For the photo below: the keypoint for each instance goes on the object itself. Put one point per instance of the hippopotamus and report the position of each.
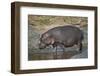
(63, 36)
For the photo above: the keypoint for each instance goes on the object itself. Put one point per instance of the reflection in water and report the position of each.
(49, 55)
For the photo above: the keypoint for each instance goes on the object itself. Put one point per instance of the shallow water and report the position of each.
(34, 53)
(69, 53)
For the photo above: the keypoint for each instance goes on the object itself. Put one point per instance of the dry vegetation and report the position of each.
(42, 22)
